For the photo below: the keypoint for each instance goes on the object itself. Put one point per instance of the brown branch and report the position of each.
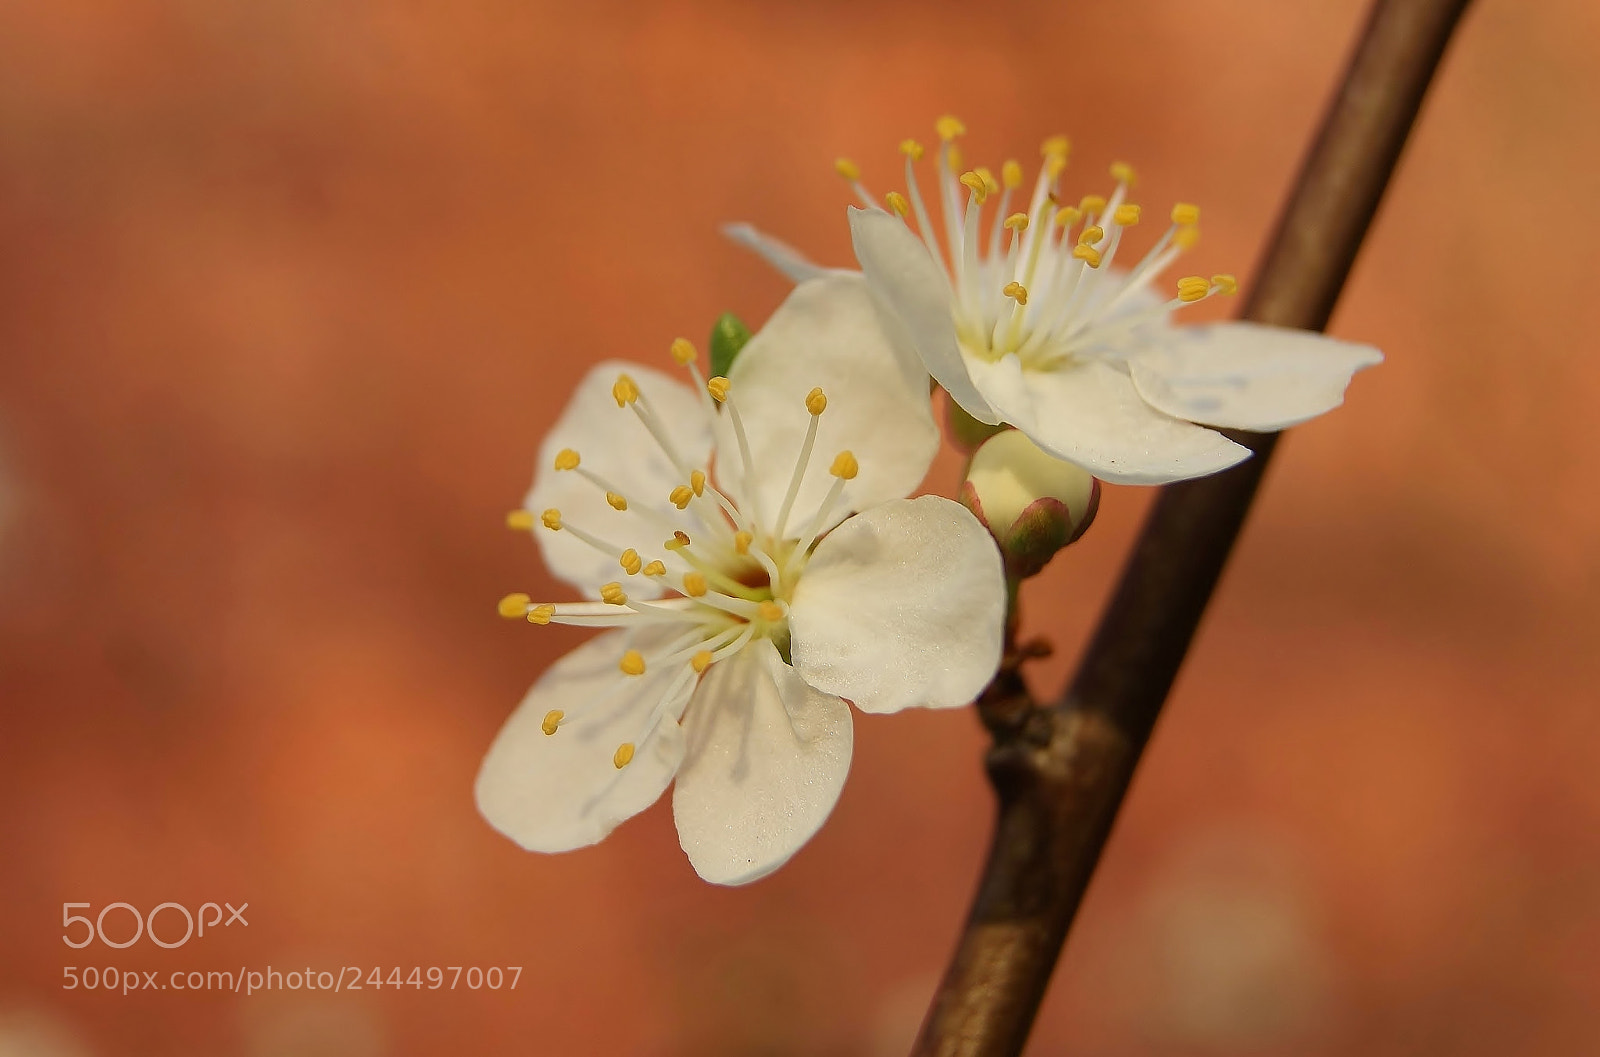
(1061, 772)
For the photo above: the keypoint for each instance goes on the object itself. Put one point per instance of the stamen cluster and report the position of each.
(1042, 284)
(732, 580)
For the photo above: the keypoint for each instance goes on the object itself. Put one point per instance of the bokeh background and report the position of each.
(289, 292)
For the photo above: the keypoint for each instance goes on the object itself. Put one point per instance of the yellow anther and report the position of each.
(552, 720)
(631, 562)
(694, 584)
(718, 388)
(697, 481)
(1185, 214)
(655, 568)
(613, 594)
(541, 614)
(1225, 284)
(513, 606)
(679, 540)
(845, 466)
(681, 496)
(847, 168)
(1193, 288)
(623, 755)
(816, 401)
(1091, 235)
(977, 185)
(520, 520)
(742, 541)
(1126, 215)
(1011, 174)
(911, 149)
(1055, 165)
(1068, 217)
(1055, 147)
(949, 127)
(1017, 222)
(551, 519)
(700, 661)
(616, 501)
(770, 611)
(1087, 254)
(1123, 173)
(897, 203)
(625, 391)
(683, 351)
(1187, 238)
(632, 663)
(1016, 291)
(1091, 203)
(988, 179)
(566, 459)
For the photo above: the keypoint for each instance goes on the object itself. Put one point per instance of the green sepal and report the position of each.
(967, 432)
(1034, 538)
(728, 336)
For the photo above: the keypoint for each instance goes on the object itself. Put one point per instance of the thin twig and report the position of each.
(1060, 772)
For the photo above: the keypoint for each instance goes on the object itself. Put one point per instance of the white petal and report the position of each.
(1090, 414)
(1248, 375)
(782, 256)
(767, 758)
(827, 334)
(612, 442)
(916, 290)
(1113, 286)
(555, 792)
(902, 605)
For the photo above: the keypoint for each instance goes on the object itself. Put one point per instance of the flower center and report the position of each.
(1041, 285)
(732, 565)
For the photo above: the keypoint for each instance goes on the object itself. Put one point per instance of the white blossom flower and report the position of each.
(1034, 326)
(713, 532)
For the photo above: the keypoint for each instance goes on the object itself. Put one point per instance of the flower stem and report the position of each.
(1060, 771)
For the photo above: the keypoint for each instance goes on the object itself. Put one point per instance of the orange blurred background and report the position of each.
(290, 293)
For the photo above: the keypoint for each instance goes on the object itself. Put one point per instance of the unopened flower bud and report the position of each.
(1032, 503)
